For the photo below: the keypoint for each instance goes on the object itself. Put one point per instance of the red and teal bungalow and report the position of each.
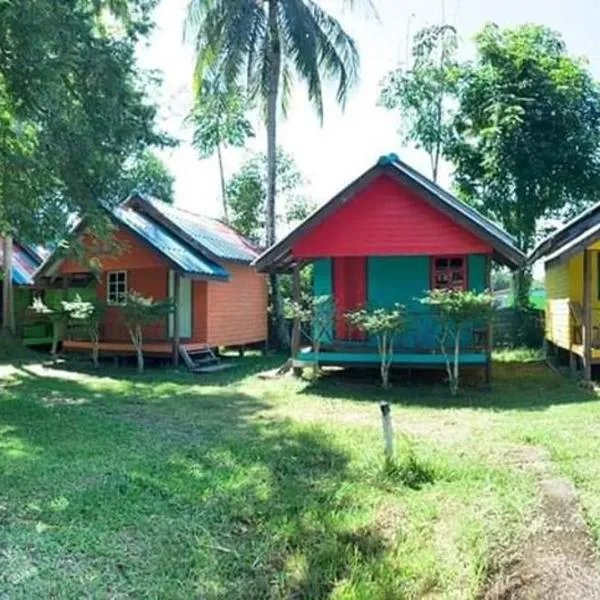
(387, 238)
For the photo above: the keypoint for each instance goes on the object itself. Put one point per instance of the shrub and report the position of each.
(454, 309)
(385, 324)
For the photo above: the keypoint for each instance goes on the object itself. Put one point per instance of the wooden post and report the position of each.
(587, 315)
(490, 328)
(8, 314)
(296, 333)
(176, 319)
(388, 430)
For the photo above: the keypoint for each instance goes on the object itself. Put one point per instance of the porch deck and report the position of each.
(307, 357)
(578, 349)
(154, 348)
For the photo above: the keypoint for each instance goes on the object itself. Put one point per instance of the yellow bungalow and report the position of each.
(572, 267)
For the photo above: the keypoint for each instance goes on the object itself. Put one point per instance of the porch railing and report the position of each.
(421, 336)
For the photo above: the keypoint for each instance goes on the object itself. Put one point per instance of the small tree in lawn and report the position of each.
(57, 316)
(385, 324)
(89, 316)
(454, 309)
(139, 311)
(315, 314)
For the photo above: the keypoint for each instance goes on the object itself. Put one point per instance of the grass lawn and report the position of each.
(170, 485)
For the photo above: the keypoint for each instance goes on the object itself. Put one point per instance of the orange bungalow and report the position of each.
(166, 252)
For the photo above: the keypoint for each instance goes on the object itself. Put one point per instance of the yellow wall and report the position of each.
(558, 322)
(564, 283)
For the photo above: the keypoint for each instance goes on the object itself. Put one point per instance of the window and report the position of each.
(116, 287)
(449, 273)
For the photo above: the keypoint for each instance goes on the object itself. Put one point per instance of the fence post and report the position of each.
(388, 430)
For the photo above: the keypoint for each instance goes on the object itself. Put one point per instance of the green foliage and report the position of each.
(528, 129)
(247, 195)
(315, 315)
(423, 92)
(240, 39)
(408, 468)
(86, 315)
(72, 109)
(385, 324)
(219, 120)
(454, 309)
(138, 311)
(148, 175)
(219, 115)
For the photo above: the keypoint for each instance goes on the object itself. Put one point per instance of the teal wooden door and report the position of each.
(184, 305)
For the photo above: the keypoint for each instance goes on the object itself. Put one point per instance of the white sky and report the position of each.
(349, 142)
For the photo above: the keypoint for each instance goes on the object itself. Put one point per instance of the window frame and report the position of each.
(464, 270)
(116, 301)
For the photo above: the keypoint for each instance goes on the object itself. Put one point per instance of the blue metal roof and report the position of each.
(168, 245)
(217, 238)
(24, 264)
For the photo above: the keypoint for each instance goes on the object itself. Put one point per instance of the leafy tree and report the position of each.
(423, 92)
(268, 42)
(219, 120)
(138, 311)
(315, 315)
(72, 110)
(454, 309)
(385, 324)
(147, 174)
(58, 317)
(528, 131)
(87, 315)
(247, 195)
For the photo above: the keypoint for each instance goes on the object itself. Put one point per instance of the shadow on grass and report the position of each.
(163, 372)
(199, 495)
(524, 386)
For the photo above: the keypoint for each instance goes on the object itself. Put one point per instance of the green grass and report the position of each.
(170, 485)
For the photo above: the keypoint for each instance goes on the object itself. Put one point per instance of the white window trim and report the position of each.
(108, 276)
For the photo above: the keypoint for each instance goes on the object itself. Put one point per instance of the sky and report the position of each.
(333, 154)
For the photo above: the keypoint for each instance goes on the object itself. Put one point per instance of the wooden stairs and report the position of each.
(202, 360)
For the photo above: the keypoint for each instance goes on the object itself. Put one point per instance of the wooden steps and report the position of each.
(201, 360)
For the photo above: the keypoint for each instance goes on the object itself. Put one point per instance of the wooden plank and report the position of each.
(177, 320)
(490, 329)
(587, 315)
(296, 295)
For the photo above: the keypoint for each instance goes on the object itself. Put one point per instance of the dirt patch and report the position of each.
(557, 559)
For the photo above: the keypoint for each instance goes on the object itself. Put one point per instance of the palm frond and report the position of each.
(320, 49)
(299, 37)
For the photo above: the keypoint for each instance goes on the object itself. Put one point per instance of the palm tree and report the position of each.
(267, 42)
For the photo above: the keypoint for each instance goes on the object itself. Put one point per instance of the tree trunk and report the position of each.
(8, 312)
(95, 349)
(223, 186)
(455, 374)
(138, 340)
(274, 66)
(522, 286)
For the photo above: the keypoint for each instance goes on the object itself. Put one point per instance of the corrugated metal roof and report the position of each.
(161, 239)
(24, 264)
(218, 239)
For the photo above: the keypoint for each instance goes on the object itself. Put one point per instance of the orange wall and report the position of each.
(132, 253)
(200, 299)
(229, 313)
(149, 282)
(237, 310)
(147, 273)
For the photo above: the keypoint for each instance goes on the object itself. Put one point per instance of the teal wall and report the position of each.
(403, 280)
(323, 286)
